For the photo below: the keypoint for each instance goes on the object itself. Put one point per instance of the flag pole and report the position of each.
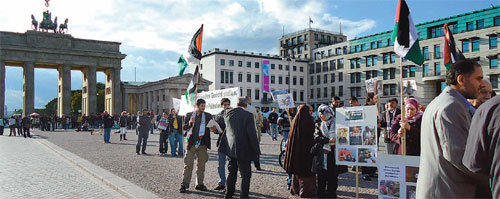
(403, 134)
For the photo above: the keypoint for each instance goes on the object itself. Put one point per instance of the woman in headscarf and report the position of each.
(298, 159)
(411, 125)
(324, 151)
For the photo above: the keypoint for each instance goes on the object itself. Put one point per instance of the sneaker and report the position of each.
(182, 189)
(220, 187)
(201, 188)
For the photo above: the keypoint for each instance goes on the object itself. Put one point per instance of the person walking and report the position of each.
(273, 120)
(12, 125)
(445, 127)
(411, 127)
(26, 123)
(175, 133)
(258, 124)
(19, 125)
(198, 142)
(298, 159)
(2, 125)
(222, 157)
(242, 147)
(122, 122)
(108, 122)
(163, 126)
(143, 126)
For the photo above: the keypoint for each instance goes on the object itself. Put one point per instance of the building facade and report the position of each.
(227, 69)
(300, 44)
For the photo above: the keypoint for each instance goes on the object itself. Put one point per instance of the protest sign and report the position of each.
(398, 176)
(176, 104)
(212, 99)
(374, 85)
(285, 100)
(409, 87)
(356, 136)
(275, 93)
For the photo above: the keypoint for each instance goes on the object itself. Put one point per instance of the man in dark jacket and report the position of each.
(273, 120)
(198, 141)
(26, 123)
(242, 147)
(225, 103)
(108, 122)
(143, 125)
(388, 117)
(175, 133)
(122, 122)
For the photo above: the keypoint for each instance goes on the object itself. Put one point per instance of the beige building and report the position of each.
(301, 43)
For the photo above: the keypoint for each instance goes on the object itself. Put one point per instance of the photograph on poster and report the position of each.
(389, 188)
(343, 135)
(347, 154)
(354, 115)
(411, 174)
(369, 135)
(411, 192)
(355, 135)
(367, 155)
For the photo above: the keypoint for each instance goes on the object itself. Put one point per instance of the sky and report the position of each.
(154, 33)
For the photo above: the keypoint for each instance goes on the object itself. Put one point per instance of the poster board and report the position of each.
(356, 136)
(285, 101)
(265, 75)
(398, 176)
(279, 92)
(374, 85)
(176, 104)
(212, 99)
(409, 87)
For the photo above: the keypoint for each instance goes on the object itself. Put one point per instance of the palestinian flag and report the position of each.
(182, 65)
(193, 55)
(451, 53)
(192, 88)
(405, 36)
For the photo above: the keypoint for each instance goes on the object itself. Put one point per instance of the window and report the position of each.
(389, 89)
(301, 69)
(332, 77)
(249, 93)
(373, 45)
(280, 80)
(306, 47)
(318, 67)
(301, 95)
(325, 78)
(496, 21)
(221, 76)
(325, 66)
(280, 67)
(231, 62)
(425, 51)
(294, 41)
(392, 72)
(437, 51)
(374, 73)
(332, 91)
(353, 78)
(273, 66)
(358, 91)
(316, 37)
(257, 94)
(222, 62)
(465, 46)
(329, 52)
(405, 71)
(257, 64)
(287, 80)
(240, 77)
(287, 67)
(294, 80)
(353, 63)
(413, 69)
(257, 78)
(475, 44)
(470, 26)
(294, 68)
(249, 64)
(318, 80)
(374, 60)
(294, 96)
(301, 81)
(273, 79)
(311, 94)
(480, 24)
(436, 31)
(368, 61)
(231, 77)
(325, 92)
(358, 63)
(311, 68)
(341, 91)
(425, 70)
(393, 58)
(312, 80)
(358, 77)
(341, 76)
(318, 93)
(240, 63)
(386, 74)
(299, 38)
(494, 62)
(249, 77)
(163, 97)
(493, 42)
(332, 65)
(385, 58)
(306, 37)
(494, 81)
(368, 74)
(437, 69)
(340, 63)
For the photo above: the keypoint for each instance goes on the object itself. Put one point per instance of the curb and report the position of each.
(124, 187)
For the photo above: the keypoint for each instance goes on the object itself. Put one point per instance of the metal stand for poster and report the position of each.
(403, 116)
(357, 181)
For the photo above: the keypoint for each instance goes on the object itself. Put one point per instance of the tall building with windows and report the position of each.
(228, 69)
(352, 62)
(301, 43)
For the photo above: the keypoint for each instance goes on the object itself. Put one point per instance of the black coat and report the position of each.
(170, 127)
(108, 121)
(242, 142)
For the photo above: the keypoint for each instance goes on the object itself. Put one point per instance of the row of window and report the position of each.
(325, 92)
(257, 65)
(227, 78)
(257, 94)
(325, 78)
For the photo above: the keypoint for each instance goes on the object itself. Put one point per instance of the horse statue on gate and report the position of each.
(34, 23)
(63, 28)
(47, 23)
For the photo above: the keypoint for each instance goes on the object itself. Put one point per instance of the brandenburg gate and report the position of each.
(63, 53)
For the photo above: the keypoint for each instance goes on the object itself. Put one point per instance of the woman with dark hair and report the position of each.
(411, 125)
(298, 159)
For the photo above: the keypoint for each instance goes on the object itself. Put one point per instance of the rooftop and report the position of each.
(242, 53)
(311, 29)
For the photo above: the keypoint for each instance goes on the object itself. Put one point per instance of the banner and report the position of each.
(397, 176)
(212, 99)
(265, 75)
(279, 92)
(356, 136)
(285, 101)
(374, 85)
(176, 104)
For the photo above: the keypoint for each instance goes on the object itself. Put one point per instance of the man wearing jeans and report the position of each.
(273, 120)
(108, 122)
(225, 103)
(175, 133)
(143, 125)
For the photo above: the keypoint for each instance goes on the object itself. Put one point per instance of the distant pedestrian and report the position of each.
(143, 126)
(19, 125)
(108, 122)
(175, 133)
(242, 147)
(163, 128)
(122, 122)
(153, 121)
(26, 123)
(139, 113)
(2, 124)
(12, 125)
(273, 120)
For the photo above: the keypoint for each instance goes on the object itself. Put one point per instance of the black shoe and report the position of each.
(367, 178)
(259, 169)
(121, 136)
(138, 153)
(201, 188)
(182, 189)
(144, 153)
(220, 187)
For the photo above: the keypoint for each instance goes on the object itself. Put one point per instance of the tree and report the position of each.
(76, 101)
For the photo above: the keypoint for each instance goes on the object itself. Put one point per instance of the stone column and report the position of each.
(168, 100)
(64, 90)
(126, 106)
(178, 93)
(2, 88)
(89, 91)
(28, 88)
(117, 91)
(113, 100)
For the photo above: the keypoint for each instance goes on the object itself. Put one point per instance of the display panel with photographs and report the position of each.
(398, 176)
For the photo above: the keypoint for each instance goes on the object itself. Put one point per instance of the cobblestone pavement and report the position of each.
(30, 170)
(162, 175)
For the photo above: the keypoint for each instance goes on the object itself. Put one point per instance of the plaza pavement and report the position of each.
(162, 175)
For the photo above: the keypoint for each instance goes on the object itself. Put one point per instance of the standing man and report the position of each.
(242, 147)
(108, 122)
(273, 120)
(198, 141)
(255, 114)
(335, 103)
(445, 127)
(225, 103)
(26, 123)
(122, 122)
(388, 118)
(143, 126)
(175, 133)
(354, 101)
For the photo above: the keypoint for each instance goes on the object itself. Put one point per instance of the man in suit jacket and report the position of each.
(242, 147)
(445, 126)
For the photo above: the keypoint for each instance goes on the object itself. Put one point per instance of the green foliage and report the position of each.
(76, 101)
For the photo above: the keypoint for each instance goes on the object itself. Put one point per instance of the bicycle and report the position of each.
(281, 157)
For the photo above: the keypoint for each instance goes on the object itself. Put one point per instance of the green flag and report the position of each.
(182, 65)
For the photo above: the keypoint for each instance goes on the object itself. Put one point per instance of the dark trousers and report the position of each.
(328, 179)
(1, 130)
(246, 174)
(163, 143)
(19, 130)
(143, 137)
(27, 132)
(12, 130)
(256, 163)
